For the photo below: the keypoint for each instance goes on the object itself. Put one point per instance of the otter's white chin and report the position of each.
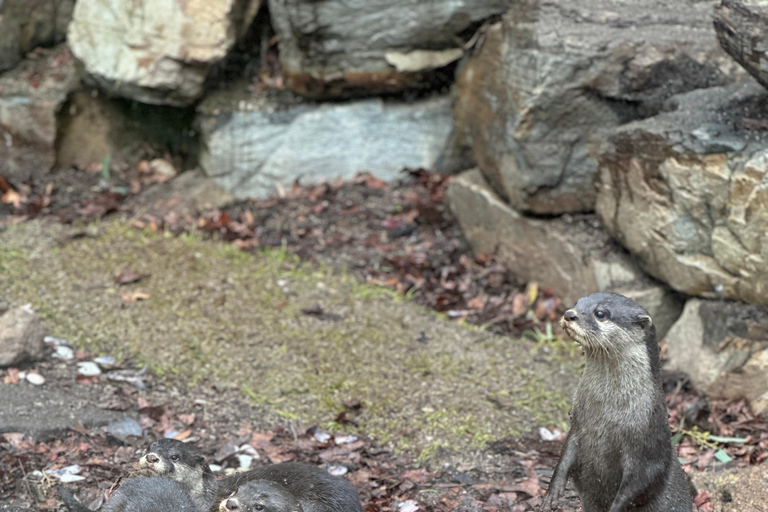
(572, 333)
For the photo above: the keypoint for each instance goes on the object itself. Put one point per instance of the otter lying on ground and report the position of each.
(618, 451)
(316, 489)
(141, 494)
(261, 496)
(169, 458)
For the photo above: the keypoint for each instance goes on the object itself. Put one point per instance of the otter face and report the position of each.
(261, 496)
(607, 323)
(175, 460)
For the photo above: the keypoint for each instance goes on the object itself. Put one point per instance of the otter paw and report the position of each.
(551, 498)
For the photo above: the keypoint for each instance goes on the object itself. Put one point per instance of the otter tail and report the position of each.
(70, 501)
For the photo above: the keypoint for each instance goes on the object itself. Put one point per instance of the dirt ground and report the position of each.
(344, 309)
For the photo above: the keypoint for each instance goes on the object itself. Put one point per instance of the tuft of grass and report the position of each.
(106, 174)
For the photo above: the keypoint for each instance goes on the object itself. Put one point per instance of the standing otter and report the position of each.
(316, 489)
(618, 451)
(141, 494)
(261, 496)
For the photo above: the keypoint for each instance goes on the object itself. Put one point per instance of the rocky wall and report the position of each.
(550, 81)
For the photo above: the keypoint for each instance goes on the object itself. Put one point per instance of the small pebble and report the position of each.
(124, 428)
(244, 460)
(66, 470)
(36, 379)
(61, 348)
(548, 435)
(408, 506)
(322, 436)
(338, 470)
(65, 479)
(248, 450)
(345, 439)
(105, 362)
(64, 352)
(215, 468)
(88, 369)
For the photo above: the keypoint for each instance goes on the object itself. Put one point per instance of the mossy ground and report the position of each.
(216, 315)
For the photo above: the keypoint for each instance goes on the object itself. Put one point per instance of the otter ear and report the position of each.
(200, 459)
(645, 321)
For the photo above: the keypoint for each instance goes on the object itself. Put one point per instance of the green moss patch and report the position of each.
(217, 315)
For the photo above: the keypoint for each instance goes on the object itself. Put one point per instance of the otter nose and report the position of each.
(570, 315)
(152, 458)
(232, 504)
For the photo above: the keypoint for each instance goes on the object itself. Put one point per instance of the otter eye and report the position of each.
(259, 507)
(600, 314)
(174, 457)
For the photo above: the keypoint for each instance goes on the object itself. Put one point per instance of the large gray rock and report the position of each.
(30, 97)
(742, 29)
(156, 51)
(21, 337)
(572, 258)
(251, 145)
(26, 24)
(338, 47)
(723, 347)
(685, 192)
(552, 79)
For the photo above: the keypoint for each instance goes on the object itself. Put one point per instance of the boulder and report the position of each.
(253, 145)
(30, 96)
(92, 125)
(21, 337)
(685, 192)
(26, 24)
(342, 47)
(156, 51)
(734, 490)
(552, 79)
(723, 347)
(572, 257)
(742, 29)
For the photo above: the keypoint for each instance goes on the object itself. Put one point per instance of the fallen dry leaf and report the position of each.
(128, 276)
(12, 197)
(183, 435)
(530, 485)
(12, 376)
(134, 296)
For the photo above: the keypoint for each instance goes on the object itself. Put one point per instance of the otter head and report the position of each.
(261, 496)
(173, 459)
(608, 324)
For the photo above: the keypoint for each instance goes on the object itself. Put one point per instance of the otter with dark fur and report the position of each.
(618, 452)
(177, 461)
(141, 494)
(316, 489)
(261, 496)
